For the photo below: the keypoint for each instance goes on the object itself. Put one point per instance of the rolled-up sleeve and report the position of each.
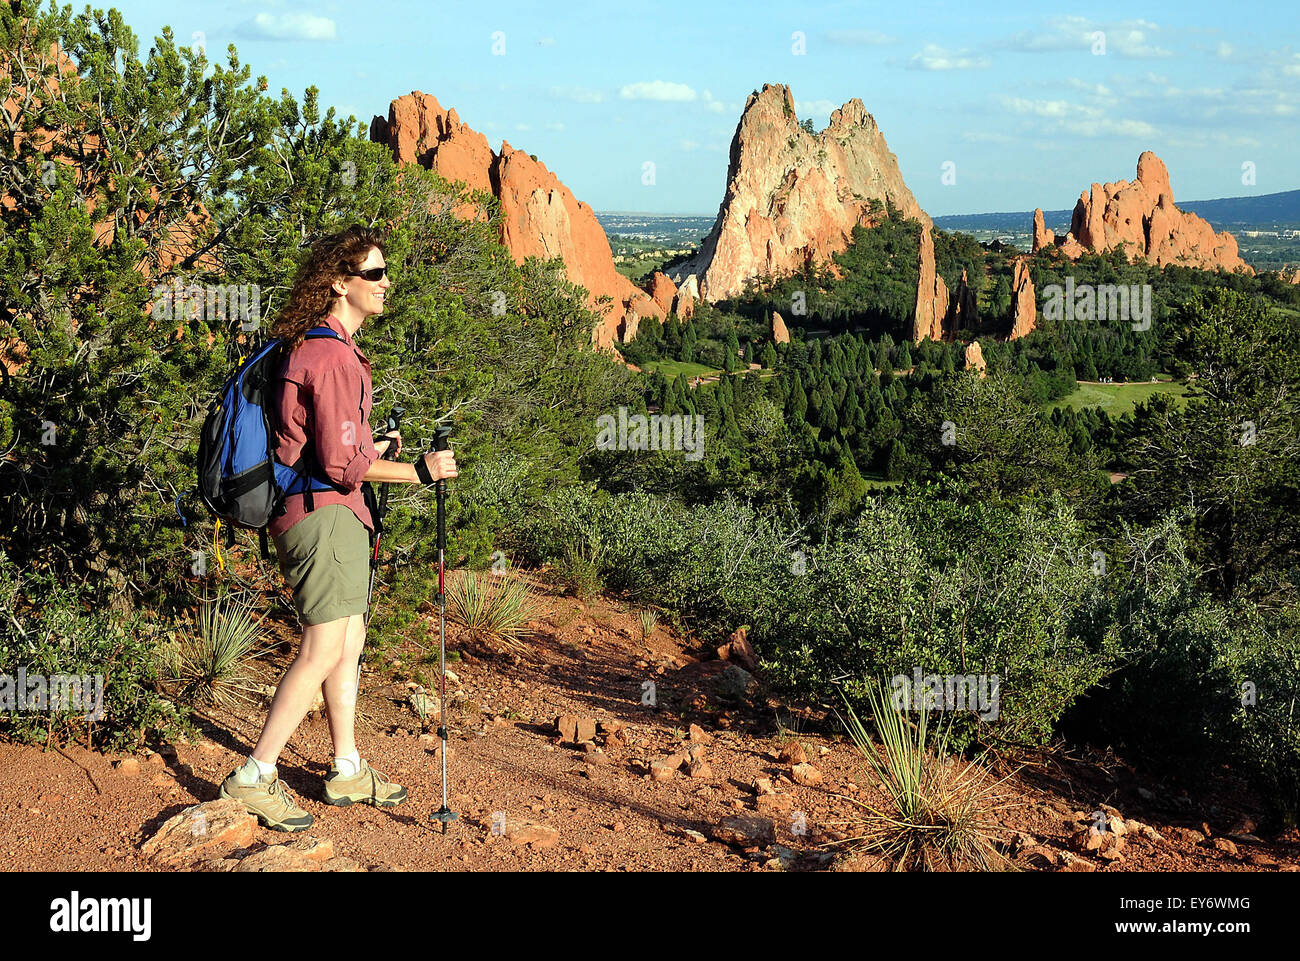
(344, 446)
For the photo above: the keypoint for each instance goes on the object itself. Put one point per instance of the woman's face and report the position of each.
(366, 297)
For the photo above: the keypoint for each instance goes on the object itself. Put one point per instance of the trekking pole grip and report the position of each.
(394, 423)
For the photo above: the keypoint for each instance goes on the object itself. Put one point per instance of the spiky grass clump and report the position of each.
(214, 665)
(493, 608)
(647, 619)
(939, 811)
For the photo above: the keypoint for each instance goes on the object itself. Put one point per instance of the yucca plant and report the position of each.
(647, 619)
(493, 607)
(214, 666)
(939, 811)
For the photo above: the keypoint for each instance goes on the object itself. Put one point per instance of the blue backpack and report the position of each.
(240, 478)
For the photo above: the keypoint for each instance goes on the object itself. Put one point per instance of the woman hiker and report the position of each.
(324, 553)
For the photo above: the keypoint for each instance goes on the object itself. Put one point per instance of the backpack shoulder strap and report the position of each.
(322, 332)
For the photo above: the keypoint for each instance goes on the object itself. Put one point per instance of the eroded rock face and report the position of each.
(1024, 311)
(540, 216)
(419, 131)
(931, 294)
(1140, 215)
(793, 198)
(975, 359)
(963, 307)
(687, 294)
(1042, 236)
(662, 291)
(780, 335)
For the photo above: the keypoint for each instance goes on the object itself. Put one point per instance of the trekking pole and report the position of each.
(444, 814)
(394, 423)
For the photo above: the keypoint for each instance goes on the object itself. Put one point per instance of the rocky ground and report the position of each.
(592, 749)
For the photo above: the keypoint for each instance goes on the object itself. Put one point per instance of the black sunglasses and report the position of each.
(373, 274)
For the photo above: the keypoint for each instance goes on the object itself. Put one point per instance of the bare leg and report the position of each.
(341, 689)
(318, 655)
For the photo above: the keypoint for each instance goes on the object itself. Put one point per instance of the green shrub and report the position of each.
(928, 586)
(54, 628)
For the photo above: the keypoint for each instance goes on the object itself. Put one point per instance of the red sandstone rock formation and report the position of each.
(1024, 312)
(662, 291)
(779, 333)
(1141, 215)
(931, 294)
(627, 327)
(1042, 236)
(793, 198)
(540, 216)
(963, 308)
(975, 358)
(684, 301)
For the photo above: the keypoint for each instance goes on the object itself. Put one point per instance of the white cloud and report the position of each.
(578, 94)
(690, 145)
(862, 38)
(814, 108)
(288, 26)
(1126, 38)
(546, 42)
(554, 125)
(1066, 119)
(987, 136)
(1038, 108)
(718, 106)
(657, 90)
(937, 58)
(1096, 90)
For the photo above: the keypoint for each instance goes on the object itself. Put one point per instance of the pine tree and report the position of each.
(797, 405)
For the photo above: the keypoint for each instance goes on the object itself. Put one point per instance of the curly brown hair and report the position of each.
(311, 298)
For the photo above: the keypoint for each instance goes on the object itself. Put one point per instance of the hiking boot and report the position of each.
(367, 785)
(268, 799)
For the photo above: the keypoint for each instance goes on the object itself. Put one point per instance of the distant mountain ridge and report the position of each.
(1224, 213)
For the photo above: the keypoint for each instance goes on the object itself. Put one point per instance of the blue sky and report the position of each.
(1029, 104)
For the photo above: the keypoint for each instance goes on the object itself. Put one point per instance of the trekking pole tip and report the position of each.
(445, 815)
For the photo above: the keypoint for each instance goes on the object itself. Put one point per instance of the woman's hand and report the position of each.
(390, 437)
(441, 464)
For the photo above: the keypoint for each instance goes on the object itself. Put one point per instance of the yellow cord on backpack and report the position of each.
(216, 544)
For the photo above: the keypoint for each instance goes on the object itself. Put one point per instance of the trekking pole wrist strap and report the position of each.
(422, 472)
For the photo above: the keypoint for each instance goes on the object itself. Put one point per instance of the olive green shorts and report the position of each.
(325, 559)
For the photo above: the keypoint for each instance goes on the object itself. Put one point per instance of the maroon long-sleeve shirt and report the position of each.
(325, 396)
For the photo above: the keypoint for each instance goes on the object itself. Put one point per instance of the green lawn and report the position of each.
(1118, 399)
(671, 368)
